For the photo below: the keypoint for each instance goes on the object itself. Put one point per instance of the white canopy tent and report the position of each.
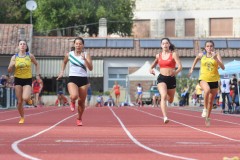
(142, 74)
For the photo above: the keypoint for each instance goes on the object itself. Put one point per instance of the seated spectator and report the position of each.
(61, 100)
(100, 101)
(156, 100)
(194, 98)
(110, 101)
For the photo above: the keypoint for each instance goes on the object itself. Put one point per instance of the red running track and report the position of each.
(118, 133)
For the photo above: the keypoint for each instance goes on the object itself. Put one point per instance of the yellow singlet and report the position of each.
(209, 70)
(23, 66)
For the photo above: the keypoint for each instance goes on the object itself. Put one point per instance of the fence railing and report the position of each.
(7, 98)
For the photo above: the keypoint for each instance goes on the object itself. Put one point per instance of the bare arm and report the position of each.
(88, 62)
(65, 61)
(34, 61)
(11, 64)
(198, 57)
(153, 65)
(218, 58)
(178, 62)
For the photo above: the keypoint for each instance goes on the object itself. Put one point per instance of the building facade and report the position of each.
(186, 18)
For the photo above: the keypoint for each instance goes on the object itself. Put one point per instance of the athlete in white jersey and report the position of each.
(139, 95)
(80, 61)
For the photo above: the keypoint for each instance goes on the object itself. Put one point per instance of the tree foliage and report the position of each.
(72, 16)
(14, 11)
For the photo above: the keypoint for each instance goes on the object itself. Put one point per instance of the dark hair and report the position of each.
(72, 48)
(208, 41)
(78, 38)
(27, 49)
(171, 47)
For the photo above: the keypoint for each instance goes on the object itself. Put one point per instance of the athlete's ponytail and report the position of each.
(171, 47)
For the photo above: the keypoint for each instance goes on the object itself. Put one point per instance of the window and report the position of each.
(189, 27)
(118, 74)
(170, 28)
(221, 27)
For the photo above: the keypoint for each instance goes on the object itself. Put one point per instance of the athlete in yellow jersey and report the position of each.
(22, 62)
(208, 77)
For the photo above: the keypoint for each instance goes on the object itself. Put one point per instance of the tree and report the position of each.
(13, 11)
(54, 17)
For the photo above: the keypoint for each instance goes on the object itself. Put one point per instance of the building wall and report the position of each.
(159, 10)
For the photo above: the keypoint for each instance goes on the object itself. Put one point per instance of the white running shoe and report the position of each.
(204, 113)
(165, 120)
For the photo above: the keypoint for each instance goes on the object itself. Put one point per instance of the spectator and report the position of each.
(40, 102)
(235, 87)
(61, 100)
(225, 85)
(139, 95)
(89, 94)
(37, 88)
(194, 98)
(116, 90)
(110, 101)
(100, 101)
(10, 82)
(3, 80)
(156, 99)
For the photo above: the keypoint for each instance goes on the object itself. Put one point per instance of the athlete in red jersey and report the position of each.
(167, 61)
(116, 89)
(37, 88)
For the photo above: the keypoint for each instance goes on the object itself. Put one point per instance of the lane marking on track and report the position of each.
(21, 153)
(202, 118)
(73, 141)
(198, 116)
(218, 135)
(213, 111)
(142, 145)
(29, 115)
(195, 143)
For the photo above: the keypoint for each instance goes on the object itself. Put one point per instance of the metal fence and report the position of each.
(7, 98)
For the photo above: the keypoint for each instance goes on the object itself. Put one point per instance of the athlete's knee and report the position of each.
(73, 97)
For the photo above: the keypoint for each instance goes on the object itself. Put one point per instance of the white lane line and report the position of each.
(218, 135)
(213, 111)
(142, 145)
(21, 153)
(202, 118)
(29, 115)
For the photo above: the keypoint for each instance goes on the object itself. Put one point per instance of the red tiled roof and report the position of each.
(58, 46)
(10, 34)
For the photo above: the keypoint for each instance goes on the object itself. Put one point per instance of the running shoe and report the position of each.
(21, 120)
(79, 122)
(165, 120)
(72, 106)
(204, 113)
(207, 122)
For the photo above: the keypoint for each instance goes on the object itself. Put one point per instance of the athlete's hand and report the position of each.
(152, 71)
(83, 56)
(60, 75)
(190, 73)
(173, 73)
(214, 55)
